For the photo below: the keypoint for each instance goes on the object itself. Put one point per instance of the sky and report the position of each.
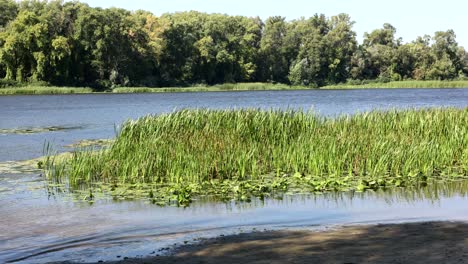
(412, 18)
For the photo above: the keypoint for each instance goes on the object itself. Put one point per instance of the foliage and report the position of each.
(73, 44)
(9, 11)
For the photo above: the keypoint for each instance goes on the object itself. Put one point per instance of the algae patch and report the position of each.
(20, 167)
(31, 166)
(37, 130)
(90, 143)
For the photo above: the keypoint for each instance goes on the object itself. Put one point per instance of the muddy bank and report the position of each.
(441, 242)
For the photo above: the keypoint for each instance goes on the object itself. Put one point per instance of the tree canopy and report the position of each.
(71, 43)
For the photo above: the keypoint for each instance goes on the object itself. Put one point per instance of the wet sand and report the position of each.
(440, 242)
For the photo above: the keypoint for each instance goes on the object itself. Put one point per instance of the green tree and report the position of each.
(310, 67)
(341, 45)
(381, 49)
(275, 63)
(326, 48)
(384, 36)
(21, 51)
(446, 51)
(421, 56)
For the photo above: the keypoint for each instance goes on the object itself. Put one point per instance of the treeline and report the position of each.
(70, 43)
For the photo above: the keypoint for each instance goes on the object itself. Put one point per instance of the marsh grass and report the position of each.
(402, 84)
(237, 154)
(43, 90)
(38, 90)
(215, 88)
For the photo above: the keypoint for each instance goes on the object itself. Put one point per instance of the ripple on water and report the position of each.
(53, 228)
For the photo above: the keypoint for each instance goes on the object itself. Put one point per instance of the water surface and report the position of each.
(39, 225)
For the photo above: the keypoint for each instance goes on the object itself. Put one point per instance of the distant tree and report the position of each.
(325, 50)
(9, 11)
(202, 48)
(310, 61)
(463, 55)
(446, 51)
(341, 44)
(22, 44)
(71, 43)
(384, 36)
(273, 51)
(381, 49)
(422, 57)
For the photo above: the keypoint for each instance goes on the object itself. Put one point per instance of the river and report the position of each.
(40, 225)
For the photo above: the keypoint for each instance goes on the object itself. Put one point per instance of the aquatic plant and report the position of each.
(237, 154)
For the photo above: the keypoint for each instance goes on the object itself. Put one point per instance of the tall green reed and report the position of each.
(214, 146)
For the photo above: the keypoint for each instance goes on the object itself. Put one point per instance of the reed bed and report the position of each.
(237, 154)
(215, 88)
(401, 84)
(37, 90)
(40, 90)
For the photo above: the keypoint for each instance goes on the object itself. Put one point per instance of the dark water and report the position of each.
(37, 226)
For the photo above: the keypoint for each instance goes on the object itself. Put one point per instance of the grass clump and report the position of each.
(237, 154)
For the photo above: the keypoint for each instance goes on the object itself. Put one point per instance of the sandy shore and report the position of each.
(414, 243)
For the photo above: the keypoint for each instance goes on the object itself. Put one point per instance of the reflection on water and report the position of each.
(54, 228)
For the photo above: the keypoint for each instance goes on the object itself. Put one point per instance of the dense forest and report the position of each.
(73, 44)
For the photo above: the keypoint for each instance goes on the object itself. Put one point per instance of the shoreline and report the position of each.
(426, 242)
(54, 90)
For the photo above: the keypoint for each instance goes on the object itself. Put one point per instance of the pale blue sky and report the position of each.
(412, 18)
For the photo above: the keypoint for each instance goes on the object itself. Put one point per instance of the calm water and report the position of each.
(37, 226)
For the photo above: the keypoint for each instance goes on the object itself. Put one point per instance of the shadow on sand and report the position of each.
(414, 243)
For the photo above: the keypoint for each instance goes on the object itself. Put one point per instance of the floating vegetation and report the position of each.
(20, 167)
(90, 143)
(37, 130)
(31, 166)
(239, 154)
(37, 165)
